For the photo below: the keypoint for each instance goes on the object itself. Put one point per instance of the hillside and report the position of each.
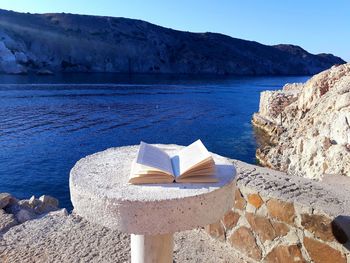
(80, 43)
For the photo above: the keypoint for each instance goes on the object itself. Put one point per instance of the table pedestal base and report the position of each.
(152, 249)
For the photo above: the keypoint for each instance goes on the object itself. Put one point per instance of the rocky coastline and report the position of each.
(14, 212)
(308, 125)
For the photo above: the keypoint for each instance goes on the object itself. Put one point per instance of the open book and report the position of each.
(193, 164)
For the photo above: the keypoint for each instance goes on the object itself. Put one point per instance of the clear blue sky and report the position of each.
(316, 25)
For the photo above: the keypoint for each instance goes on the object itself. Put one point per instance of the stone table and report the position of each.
(150, 213)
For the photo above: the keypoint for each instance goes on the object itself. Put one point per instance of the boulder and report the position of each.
(313, 121)
(4, 199)
(6, 221)
(49, 200)
(24, 215)
(8, 63)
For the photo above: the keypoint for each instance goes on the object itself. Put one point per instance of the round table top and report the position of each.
(100, 193)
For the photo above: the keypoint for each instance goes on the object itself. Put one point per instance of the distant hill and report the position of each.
(80, 43)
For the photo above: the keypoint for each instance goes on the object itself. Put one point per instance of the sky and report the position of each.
(319, 26)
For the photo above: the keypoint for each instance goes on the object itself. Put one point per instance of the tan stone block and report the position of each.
(230, 219)
(262, 226)
(240, 202)
(285, 254)
(216, 230)
(244, 241)
(322, 253)
(281, 229)
(282, 211)
(319, 225)
(255, 200)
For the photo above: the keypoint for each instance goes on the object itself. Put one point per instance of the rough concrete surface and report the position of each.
(325, 197)
(60, 238)
(100, 193)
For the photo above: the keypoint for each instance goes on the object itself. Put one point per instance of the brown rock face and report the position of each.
(285, 254)
(244, 241)
(216, 230)
(319, 225)
(266, 229)
(255, 200)
(281, 229)
(262, 226)
(230, 219)
(322, 253)
(240, 202)
(282, 211)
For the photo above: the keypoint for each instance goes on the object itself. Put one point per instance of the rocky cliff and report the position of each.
(309, 125)
(79, 43)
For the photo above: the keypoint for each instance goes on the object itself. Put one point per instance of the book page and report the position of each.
(154, 157)
(189, 157)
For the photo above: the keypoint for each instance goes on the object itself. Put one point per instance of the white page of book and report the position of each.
(189, 156)
(154, 157)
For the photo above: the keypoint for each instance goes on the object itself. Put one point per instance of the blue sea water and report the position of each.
(48, 123)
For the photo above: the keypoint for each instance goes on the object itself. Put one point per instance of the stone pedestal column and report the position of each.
(150, 213)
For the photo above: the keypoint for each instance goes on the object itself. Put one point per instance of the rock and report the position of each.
(244, 241)
(255, 200)
(8, 62)
(240, 202)
(33, 202)
(230, 219)
(313, 127)
(49, 200)
(4, 199)
(60, 212)
(6, 221)
(21, 57)
(265, 228)
(262, 226)
(24, 204)
(45, 204)
(273, 103)
(44, 72)
(282, 211)
(216, 230)
(322, 253)
(319, 225)
(24, 215)
(285, 254)
(281, 229)
(107, 44)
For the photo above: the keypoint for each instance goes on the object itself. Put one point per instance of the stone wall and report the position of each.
(279, 218)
